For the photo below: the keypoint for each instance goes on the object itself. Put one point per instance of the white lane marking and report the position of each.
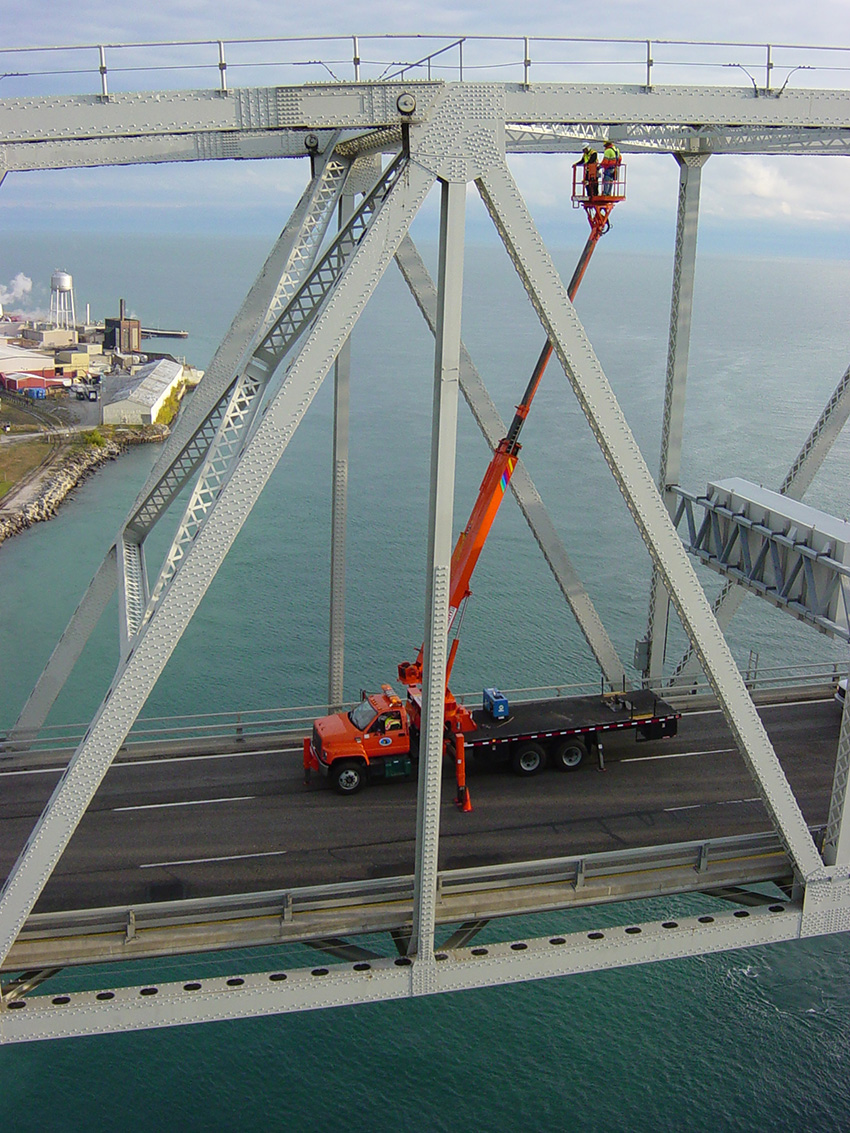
(188, 802)
(723, 802)
(204, 861)
(780, 704)
(677, 754)
(197, 758)
(36, 771)
(164, 759)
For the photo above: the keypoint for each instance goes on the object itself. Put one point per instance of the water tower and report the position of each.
(62, 301)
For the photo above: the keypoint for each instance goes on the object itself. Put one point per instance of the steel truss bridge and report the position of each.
(372, 151)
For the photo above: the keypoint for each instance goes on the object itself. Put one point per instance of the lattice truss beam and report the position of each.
(797, 480)
(457, 139)
(790, 554)
(681, 139)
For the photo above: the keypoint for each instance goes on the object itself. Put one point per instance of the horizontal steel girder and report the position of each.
(250, 123)
(243, 995)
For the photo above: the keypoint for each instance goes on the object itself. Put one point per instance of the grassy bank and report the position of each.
(18, 460)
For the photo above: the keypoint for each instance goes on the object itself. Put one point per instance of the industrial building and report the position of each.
(16, 361)
(139, 400)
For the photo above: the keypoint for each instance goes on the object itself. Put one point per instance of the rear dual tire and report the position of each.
(528, 759)
(569, 755)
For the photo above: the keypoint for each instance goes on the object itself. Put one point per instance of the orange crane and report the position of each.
(377, 734)
(501, 468)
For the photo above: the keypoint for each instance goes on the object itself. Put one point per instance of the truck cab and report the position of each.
(372, 741)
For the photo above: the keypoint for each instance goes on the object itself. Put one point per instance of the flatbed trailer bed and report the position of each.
(544, 720)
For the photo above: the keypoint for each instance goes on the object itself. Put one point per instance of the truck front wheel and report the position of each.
(570, 754)
(528, 759)
(348, 776)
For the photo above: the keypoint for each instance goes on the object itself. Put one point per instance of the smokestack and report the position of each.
(120, 308)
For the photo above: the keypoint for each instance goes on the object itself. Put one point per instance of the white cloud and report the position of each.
(19, 287)
(802, 190)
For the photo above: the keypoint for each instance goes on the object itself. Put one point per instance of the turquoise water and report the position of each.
(742, 1041)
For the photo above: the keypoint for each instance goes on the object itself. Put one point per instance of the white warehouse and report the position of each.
(139, 401)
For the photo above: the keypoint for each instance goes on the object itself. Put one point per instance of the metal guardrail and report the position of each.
(382, 905)
(244, 725)
(767, 68)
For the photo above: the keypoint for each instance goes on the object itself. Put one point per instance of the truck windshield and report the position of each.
(362, 716)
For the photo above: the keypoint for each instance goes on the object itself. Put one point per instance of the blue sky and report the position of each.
(778, 205)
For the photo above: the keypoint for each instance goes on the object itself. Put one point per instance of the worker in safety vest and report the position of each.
(610, 163)
(590, 164)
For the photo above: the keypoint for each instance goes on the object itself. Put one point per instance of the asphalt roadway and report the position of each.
(163, 829)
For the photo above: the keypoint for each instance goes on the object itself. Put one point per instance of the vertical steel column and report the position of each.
(339, 506)
(681, 310)
(443, 438)
(836, 842)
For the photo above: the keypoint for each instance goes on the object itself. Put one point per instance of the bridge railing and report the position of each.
(322, 913)
(108, 68)
(208, 731)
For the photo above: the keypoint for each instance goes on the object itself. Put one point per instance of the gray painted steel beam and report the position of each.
(243, 995)
(537, 517)
(673, 422)
(284, 270)
(440, 515)
(212, 145)
(614, 105)
(637, 137)
(339, 506)
(623, 457)
(373, 106)
(793, 556)
(66, 654)
(133, 593)
(228, 144)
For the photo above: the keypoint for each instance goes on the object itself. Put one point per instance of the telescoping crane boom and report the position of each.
(503, 462)
(380, 737)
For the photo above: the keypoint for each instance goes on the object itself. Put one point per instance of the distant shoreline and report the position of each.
(61, 475)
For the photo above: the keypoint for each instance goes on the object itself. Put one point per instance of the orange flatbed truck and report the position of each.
(379, 739)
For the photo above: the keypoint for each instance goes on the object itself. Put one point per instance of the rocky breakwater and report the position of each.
(40, 497)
